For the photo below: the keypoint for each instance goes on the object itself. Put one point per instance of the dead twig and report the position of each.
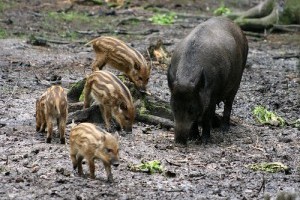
(172, 163)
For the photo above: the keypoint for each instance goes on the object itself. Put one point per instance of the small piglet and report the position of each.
(119, 55)
(113, 97)
(206, 68)
(52, 106)
(89, 142)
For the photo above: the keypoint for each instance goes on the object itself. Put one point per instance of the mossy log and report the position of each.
(149, 109)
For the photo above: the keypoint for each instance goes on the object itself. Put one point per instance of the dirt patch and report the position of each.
(32, 169)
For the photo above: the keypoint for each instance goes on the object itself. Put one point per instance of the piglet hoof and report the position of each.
(48, 140)
(62, 140)
(110, 179)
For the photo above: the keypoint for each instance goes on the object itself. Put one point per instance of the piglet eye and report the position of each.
(108, 150)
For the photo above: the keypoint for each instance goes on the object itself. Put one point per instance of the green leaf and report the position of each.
(264, 116)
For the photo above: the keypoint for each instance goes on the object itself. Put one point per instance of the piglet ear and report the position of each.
(103, 138)
(116, 135)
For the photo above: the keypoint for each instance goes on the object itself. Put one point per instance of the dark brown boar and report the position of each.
(206, 68)
(117, 54)
(52, 106)
(113, 97)
(89, 142)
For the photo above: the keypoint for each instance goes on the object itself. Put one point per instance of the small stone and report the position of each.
(19, 180)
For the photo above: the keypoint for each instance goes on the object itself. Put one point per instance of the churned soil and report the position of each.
(33, 169)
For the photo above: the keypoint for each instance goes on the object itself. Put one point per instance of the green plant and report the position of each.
(271, 167)
(150, 167)
(222, 10)
(264, 116)
(163, 19)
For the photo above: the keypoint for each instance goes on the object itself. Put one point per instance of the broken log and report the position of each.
(268, 14)
(149, 109)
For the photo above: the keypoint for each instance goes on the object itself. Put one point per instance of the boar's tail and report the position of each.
(57, 107)
(92, 41)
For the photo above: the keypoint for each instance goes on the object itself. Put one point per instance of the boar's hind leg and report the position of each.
(99, 62)
(106, 115)
(92, 168)
(79, 164)
(49, 129)
(226, 114)
(62, 128)
(87, 94)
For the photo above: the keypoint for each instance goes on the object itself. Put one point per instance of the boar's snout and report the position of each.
(115, 163)
(128, 129)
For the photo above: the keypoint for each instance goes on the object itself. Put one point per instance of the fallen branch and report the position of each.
(286, 28)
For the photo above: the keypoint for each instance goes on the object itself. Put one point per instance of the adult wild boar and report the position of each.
(206, 68)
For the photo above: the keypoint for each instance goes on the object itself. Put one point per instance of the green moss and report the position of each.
(3, 33)
(69, 16)
(291, 12)
(272, 167)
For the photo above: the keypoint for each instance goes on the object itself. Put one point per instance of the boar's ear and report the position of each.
(103, 138)
(116, 135)
(137, 67)
(151, 63)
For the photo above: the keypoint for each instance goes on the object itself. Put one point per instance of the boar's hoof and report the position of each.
(216, 121)
(48, 140)
(181, 140)
(92, 176)
(225, 128)
(206, 139)
(110, 179)
(62, 140)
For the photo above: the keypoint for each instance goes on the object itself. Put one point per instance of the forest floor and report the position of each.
(33, 169)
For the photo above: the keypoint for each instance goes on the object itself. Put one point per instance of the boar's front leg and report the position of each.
(62, 128)
(194, 132)
(107, 167)
(206, 122)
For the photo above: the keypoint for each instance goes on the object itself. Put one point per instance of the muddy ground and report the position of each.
(32, 169)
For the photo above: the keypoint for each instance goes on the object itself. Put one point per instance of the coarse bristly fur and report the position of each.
(113, 97)
(119, 55)
(89, 142)
(52, 106)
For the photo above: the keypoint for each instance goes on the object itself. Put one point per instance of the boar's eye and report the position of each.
(108, 150)
(137, 67)
(123, 106)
